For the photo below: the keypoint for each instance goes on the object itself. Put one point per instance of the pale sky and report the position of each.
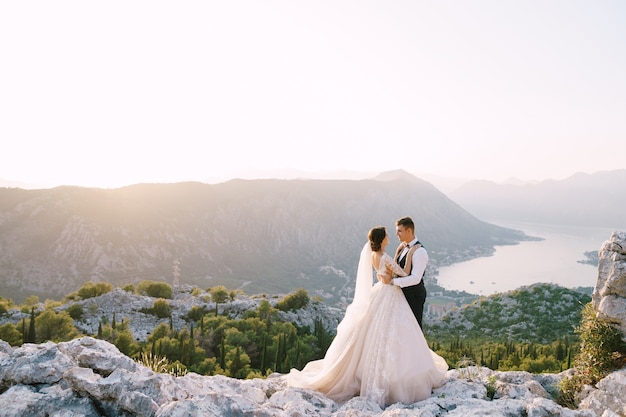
(112, 93)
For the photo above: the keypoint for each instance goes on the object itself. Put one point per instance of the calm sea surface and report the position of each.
(553, 260)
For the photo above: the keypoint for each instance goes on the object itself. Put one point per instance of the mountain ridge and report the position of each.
(265, 235)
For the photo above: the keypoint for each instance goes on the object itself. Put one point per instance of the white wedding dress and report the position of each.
(379, 351)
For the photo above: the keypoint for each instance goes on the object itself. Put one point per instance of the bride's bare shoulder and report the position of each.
(376, 259)
(386, 256)
(384, 259)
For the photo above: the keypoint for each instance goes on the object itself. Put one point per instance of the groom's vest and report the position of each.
(402, 260)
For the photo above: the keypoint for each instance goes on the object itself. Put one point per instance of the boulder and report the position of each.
(609, 294)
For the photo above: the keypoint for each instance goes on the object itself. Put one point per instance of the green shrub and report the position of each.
(125, 342)
(31, 301)
(54, 327)
(294, 301)
(75, 311)
(196, 313)
(219, 294)
(73, 296)
(492, 387)
(10, 334)
(155, 289)
(90, 290)
(602, 350)
(161, 308)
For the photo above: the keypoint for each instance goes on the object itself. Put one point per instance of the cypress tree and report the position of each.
(32, 336)
(264, 354)
(235, 366)
(223, 354)
(569, 358)
(297, 360)
(560, 351)
(278, 354)
(283, 353)
(184, 354)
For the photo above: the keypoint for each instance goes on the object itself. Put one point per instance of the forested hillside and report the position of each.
(221, 331)
(533, 313)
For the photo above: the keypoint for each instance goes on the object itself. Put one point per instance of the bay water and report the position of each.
(552, 260)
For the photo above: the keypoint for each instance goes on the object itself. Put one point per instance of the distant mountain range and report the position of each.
(583, 199)
(264, 236)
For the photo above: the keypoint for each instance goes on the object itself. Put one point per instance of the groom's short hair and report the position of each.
(406, 222)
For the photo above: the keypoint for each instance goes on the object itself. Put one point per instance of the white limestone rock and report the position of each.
(90, 377)
(609, 395)
(609, 294)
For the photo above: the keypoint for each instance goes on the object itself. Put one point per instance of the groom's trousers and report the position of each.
(416, 297)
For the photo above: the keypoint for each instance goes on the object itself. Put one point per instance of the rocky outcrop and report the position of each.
(608, 398)
(90, 377)
(609, 294)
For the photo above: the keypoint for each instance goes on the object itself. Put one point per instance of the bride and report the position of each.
(379, 351)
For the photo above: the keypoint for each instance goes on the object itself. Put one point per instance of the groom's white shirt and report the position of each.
(418, 262)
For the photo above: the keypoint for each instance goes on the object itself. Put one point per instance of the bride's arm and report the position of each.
(391, 270)
(394, 270)
(397, 270)
(419, 260)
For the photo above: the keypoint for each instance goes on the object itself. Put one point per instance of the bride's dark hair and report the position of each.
(376, 236)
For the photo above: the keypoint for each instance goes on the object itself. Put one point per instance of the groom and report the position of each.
(413, 284)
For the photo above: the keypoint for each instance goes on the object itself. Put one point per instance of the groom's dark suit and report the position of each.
(415, 294)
